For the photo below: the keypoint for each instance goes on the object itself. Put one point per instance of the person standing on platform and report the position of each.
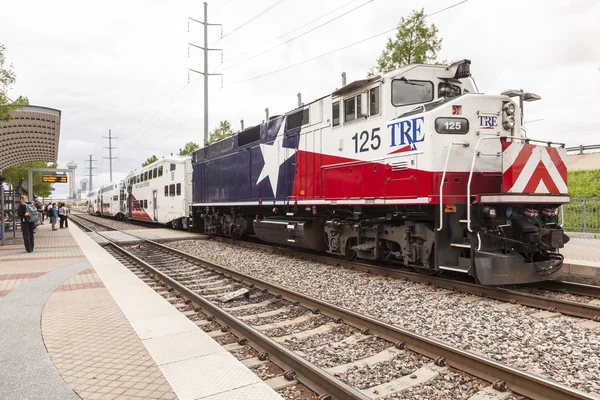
(29, 219)
(53, 213)
(62, 213)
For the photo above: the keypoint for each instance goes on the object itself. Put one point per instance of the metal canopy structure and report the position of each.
(32, 134)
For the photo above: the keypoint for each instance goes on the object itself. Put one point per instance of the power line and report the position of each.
(222, 5)
(272, 6)
(160, 75)
(298, 36)
(316, 19)
(338, 49)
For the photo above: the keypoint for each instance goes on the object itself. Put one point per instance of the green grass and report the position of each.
(584, 184)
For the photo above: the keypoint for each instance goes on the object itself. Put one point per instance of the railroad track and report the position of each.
(516, 296)
(378, 345)
(89, 225)
(523, 296)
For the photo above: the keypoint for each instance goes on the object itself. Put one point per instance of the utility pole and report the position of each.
(205, 72)
(91, 168)
(110, 149)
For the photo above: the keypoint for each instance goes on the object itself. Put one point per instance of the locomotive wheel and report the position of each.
(350, 254)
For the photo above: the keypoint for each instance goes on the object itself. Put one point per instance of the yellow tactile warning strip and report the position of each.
(95, 349)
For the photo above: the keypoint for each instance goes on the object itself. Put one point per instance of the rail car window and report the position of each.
(374, 101)
(154, 173)
(173, 167)
(249, 135)
(160, 171)
(172, 190)
(166, 191)
(350, 109)
(405, 92)
(179, 189)
(448, 91)
(294, 120)
(335, 111)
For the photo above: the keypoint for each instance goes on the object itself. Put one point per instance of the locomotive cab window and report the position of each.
(166, 191)
(448, 91)
(146, 175)
(335, 113)
(145, 203)
(405, 92)
(374, 101)
(160, 169)
(172, 190)
(305, 116)
(179, 189)
(154, 173)
(350, 109)
(173, 167)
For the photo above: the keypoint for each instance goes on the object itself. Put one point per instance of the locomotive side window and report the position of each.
(154, 174)
(406, 92)
(172, 190)
(179, 189)
(448, 91)
(374, 101)
(306, 116)
(160, 171)
(350, 109)
(166, 191)
(335, 113)
(173, 167)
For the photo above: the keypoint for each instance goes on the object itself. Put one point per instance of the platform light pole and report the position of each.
(205, 73)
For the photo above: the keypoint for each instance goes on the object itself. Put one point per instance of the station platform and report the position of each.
(582, 260)
(77, 324)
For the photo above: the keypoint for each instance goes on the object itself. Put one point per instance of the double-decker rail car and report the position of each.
(414, 167)
(160, 192)
(111, 200)
(93, 203)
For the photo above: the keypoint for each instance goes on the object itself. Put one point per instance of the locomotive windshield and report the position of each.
(405, 92)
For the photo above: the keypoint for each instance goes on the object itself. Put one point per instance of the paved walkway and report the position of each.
(76, 324)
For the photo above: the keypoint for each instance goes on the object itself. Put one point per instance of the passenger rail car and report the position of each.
(111, 198)
(93, 203)
(160, 192)
(414, 167)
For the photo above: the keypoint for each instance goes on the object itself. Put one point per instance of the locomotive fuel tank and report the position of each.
(307, 234)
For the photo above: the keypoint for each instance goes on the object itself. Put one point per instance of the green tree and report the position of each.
(150, 160)
(17, 172)
(188, 149)
(222, 131)
(416, 42)
(7, 79)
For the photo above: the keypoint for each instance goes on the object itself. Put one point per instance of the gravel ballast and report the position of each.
(553, 347)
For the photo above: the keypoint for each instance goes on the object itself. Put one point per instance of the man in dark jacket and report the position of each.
(27, 222)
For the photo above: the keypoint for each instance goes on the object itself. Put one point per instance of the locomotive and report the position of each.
(414, 167)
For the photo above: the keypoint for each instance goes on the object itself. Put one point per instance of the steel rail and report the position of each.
(311, 375)
(572, 308)
(522, 382)
(74, 217)
(566, 307)
(580, 289)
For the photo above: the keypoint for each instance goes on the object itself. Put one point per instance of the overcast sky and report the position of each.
(123, 65)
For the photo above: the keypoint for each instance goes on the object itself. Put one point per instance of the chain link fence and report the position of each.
(581, 215)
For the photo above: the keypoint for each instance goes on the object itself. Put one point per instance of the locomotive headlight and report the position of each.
(508, 122)
(489, 212)
(509, 108)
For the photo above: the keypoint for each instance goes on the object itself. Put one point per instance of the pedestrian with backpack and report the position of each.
(53, 212)
(30, 218)
(62, 214)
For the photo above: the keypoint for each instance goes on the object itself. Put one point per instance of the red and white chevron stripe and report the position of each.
(528, 168)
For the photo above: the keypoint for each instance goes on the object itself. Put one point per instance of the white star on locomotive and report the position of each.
(274, 156)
